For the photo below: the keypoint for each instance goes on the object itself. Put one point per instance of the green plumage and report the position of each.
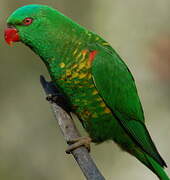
(98, 84)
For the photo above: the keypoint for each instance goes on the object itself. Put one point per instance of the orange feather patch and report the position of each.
(92, 56)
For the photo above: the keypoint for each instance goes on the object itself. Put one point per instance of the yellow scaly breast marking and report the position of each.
(91, 86)
(74, 75)
(62, 65)
(79, 55)
(82, 65)
(88, 65)
(84, 52)
(86, 112)
(82, 75)
(107, 110)
(89, 76)
(68, 72)
(75, 51)
(95, 92)
(76, 82)
(94, 115)
(74, 66)
(99, 99)
(102, 104)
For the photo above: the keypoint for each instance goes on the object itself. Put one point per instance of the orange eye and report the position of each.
(27, 21)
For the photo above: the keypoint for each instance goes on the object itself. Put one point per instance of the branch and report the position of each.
(70, 131)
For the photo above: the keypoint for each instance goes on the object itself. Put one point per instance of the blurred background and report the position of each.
(31, 145)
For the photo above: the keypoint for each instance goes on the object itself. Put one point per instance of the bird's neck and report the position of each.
(59, 45)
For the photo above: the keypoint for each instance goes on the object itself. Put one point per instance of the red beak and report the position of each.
(11, 35)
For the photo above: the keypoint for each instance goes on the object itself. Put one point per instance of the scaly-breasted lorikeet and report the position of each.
(100, 88)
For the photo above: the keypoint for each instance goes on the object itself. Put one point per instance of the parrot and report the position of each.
(98, 85)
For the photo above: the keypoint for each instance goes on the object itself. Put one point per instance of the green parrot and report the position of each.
(99, 87)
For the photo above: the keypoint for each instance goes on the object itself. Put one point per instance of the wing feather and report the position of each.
(117, 87)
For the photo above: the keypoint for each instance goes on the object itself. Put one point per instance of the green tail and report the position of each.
(151, 164)
(157, 169)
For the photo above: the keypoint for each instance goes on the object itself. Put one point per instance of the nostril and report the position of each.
(10, 26)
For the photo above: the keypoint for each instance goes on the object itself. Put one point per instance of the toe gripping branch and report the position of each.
(54, 94)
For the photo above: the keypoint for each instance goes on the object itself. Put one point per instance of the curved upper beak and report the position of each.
(11, 35)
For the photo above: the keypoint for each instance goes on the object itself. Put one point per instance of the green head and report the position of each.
(40, 27)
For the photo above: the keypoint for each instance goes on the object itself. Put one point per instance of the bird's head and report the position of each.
(42, 28)
(24, 23)
(33, 25)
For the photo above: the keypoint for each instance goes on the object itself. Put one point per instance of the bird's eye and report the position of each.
(27, 21)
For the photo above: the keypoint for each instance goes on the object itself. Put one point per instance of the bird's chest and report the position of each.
(85, 100)
(77, 83)
(75, 79)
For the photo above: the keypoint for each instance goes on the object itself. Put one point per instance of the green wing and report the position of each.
(117, 87)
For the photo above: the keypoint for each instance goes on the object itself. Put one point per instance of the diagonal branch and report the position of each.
(70, 131)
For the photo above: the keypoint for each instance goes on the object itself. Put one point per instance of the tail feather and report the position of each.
(157, 169)
(151, 164)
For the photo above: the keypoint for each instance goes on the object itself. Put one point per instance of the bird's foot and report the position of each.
(52, 98)
(77, 142)
(54, 94)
